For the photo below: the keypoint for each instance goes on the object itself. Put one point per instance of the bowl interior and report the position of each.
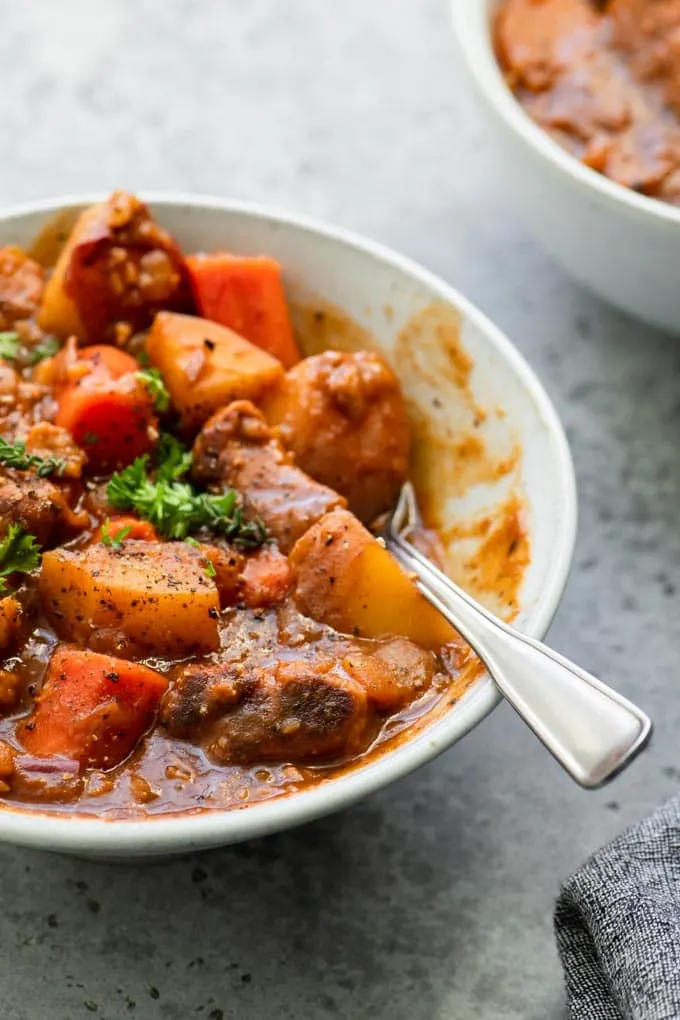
(490, 457)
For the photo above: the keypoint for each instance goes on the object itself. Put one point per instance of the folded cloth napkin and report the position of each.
(618, 925)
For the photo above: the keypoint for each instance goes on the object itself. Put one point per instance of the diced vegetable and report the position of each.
(267, 578)
(106, 408)
(225, 566)
(245, 293)
(157, 594)
(128, 527)
(56, 447)
(117, 269)
(206, 366)
(345, 578)
(10, 619)
(92, 708)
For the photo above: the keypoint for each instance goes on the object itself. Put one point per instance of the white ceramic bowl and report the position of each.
(380, 291)
(623, 246)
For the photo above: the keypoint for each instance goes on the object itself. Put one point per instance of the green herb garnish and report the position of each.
(173, 460)
(9, 345)
(210, 568)
(176, 508)
(13, 455)
(47, 348)
(19, 553)
(114, 541)
(156, 388)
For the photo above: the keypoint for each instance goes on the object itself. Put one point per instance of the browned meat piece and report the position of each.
(343, 417)
(21, 286)
(294, 710)
(118, 268)
(394, 673)
(47, 440)
(237, 449)
(201, 693)
(38, 506)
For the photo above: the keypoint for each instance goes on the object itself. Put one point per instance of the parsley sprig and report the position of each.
(19, 554)
(9, 345)
(13, 455)
(176, 508)
(47, 348)
(156, 388)
(114, 541)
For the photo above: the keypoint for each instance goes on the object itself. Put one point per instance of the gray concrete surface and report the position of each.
(433, 900)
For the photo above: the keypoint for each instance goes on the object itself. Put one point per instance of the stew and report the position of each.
(194, 612)
(603, 78)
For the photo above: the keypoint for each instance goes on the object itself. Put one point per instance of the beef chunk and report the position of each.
(343, 417)
(294, 710)
(237, 449)
(38, 506)
(21, 286)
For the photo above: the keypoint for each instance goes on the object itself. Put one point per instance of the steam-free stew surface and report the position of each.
(194, 612)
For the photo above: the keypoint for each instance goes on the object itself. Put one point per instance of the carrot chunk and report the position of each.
(245, 293)
(143, 531)
(267, 578)
(92, 708)
(105, 407)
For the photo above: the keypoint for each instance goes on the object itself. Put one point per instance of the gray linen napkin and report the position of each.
(617, 922)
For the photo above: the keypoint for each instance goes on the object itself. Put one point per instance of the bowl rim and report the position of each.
(471, 22)
(171, 834)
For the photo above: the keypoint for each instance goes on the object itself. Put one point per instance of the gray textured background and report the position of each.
(433, 900)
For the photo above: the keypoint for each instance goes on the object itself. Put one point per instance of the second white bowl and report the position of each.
(623, 246)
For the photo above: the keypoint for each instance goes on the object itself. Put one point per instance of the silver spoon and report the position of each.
(592, 731)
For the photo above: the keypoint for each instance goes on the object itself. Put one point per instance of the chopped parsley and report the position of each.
(114, 541)
(9, 345)
(176, 508)
(156, 388)
(47, 348)
(19, 553)
(13, 455)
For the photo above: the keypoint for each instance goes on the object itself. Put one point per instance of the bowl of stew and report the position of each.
(583, 101)
(205, 408)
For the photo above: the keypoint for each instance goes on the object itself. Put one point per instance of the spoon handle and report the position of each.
(590, 729)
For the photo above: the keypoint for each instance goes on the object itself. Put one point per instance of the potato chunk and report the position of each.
(343, 417)
(117, 267)
(348, 580)
(206, 366)
(155, 593)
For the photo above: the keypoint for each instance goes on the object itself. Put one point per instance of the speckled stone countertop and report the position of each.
(433, 900)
